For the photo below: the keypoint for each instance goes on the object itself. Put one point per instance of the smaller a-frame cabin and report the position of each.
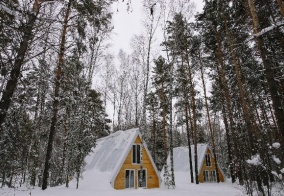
(206, 164)
(116, 161)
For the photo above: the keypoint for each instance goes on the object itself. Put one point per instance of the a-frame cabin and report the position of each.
(116, 161)
(206, 164)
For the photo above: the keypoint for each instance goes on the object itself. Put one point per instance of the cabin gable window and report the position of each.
(136, 153)
(208, 160)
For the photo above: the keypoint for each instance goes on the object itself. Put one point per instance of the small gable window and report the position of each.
(136, 154)
(208, 160)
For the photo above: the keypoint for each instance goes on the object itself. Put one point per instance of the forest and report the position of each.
(212, 77)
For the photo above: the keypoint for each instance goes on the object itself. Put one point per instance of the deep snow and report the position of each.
(182, 189)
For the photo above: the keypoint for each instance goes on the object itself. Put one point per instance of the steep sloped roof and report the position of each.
(181, 162)
(110, 152)
(181, 157)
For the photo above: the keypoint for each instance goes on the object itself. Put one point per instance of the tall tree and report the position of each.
(179, 44)
(56, 97)
(267, 63)
(90, 11)
(26, 32)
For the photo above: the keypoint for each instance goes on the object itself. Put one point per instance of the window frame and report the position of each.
(207, 156)
(129, 178)
(135, 158)
(143, 169)
(204, 175)
(215, 176)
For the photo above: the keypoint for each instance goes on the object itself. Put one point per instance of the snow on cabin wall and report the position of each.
(152, 176)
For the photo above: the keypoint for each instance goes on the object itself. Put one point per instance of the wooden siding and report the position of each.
(152, 178)
(209, 168)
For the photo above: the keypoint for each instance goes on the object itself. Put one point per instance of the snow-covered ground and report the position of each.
(88, 187)
(208, 189)
(100, 167)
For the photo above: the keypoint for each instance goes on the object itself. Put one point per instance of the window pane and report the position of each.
(134, 154)
(213, 176)
(144, 179)
(143, 182)
(131, 179)
(207, 160)
(206, 176)
(138, 154)
(127, 179)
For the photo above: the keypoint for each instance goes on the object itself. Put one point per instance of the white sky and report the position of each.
(127, 24)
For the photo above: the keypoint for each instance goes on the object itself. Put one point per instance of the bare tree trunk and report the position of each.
(224, 85)
(64, 145)
(119, 113)
(171, 128)
(154, 137)
(16, 69)
(281, 7)
(187, 128)
(164, 123)
(143, 123)
(229, 146)
(277, 132)
(194, 119)
(136, 109)
(56, 99)
(105, 105)
(209, 121)
(77, 179)
(113, 114)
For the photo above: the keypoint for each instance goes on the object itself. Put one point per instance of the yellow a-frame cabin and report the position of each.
(206, 164)
(117, 158)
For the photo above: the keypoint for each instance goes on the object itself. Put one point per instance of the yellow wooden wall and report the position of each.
(152, 178)
(209, 168)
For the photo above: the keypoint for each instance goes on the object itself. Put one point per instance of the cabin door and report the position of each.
(142, 177)
(129, 178)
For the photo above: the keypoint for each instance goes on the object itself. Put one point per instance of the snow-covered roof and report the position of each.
(181, 161)
(181, 157)
(110, 152)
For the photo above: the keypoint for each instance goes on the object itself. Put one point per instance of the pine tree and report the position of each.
(179, 44)
(161, 81)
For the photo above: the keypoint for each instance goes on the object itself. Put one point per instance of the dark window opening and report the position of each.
(208, 160)
(142, 178)
(129, 179)
(136, 154)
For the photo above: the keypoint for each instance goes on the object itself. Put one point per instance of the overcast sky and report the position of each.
(127, 24)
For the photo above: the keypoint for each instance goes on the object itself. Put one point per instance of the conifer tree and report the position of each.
(179, 43)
